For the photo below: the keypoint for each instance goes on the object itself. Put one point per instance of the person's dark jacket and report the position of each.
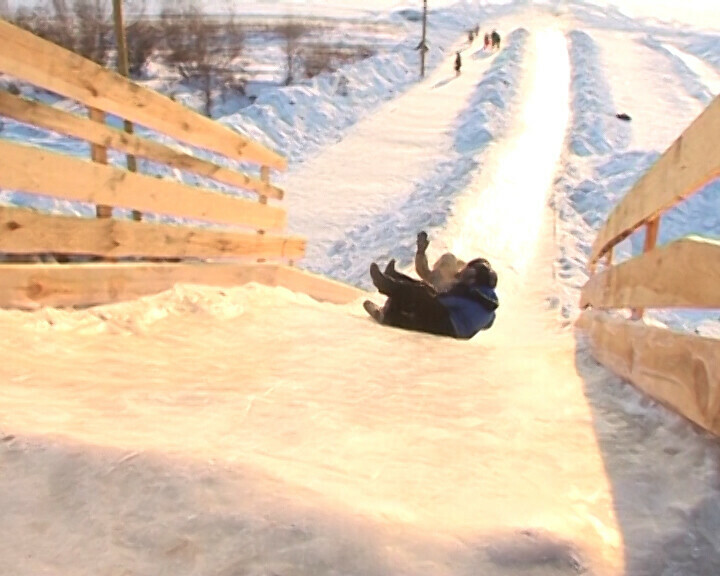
(471, 308)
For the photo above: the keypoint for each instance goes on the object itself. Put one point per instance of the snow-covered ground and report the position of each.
(256, 431)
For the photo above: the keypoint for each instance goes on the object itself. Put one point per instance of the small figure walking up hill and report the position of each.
(458, 63)
(495, 39)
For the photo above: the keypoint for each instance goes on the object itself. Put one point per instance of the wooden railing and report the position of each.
(239, 228)
(681, 370)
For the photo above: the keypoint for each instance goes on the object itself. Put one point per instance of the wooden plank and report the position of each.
(34, 60)
(40, 171)
(651, 233)
(50, 118)
(682, 274)
(24, 231)
(679, 370)
(686, 166)
(318, 287)
(30, 286)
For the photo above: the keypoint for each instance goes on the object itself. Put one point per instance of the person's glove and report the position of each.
(422, 242)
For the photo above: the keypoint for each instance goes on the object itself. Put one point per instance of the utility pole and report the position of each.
(423, 43)
(124, 69)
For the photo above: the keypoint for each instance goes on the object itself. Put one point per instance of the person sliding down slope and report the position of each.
(441, 277)
(460, 312)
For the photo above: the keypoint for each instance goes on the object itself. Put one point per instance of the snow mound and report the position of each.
(705, 47)
(691, 81)
(595, 128)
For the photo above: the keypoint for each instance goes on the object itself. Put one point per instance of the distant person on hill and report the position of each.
(477, 30)
(459, 312)
(495, 37)
(471, 36)
(458, 63)
(486, 43)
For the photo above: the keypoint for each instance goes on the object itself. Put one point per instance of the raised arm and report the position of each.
(421, 262)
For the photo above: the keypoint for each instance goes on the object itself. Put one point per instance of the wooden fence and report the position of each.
(681, 370)
(243, 230)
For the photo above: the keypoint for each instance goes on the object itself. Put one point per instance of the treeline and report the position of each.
(209, 53)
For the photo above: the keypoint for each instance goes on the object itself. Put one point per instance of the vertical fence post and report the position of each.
(99, 155)
(651, 234)
(609, 257)
(124, 69)
(423, 42)
(264, 177)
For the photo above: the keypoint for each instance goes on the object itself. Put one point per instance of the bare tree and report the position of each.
(324, 57)
(93, 29)
(141, 37)
(51, 21)
(204, 51)
(83, 26)
(318, 59)
(291, 32)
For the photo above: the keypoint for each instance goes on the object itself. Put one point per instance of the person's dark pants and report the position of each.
(395, 275)
(413, 305)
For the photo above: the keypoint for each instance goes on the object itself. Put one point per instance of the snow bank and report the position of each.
(705, 47)
(692, 81)
(595, 129)
(600, 173)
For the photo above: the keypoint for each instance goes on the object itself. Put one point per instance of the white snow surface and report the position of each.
(256, 431)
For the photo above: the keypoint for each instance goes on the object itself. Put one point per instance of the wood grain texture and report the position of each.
(49, 118)
(39, 171)
(682, 274)
(682, 371)
(30, 286)
(42, 63)
(24, 231)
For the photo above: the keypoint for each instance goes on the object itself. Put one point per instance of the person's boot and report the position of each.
(381, 282)
(374, 310)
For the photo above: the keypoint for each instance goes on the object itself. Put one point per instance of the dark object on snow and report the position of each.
(458, 63)
(623, 116)
(495, 37)
(460, 312)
